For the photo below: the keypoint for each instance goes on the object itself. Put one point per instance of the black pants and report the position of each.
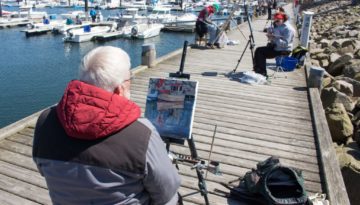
(263, 53)
(201, 29)
(269, 13)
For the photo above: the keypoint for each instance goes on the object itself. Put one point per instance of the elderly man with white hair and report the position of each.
(93, 147)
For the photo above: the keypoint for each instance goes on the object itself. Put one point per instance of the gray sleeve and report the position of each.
(162, 180)
(285, 39)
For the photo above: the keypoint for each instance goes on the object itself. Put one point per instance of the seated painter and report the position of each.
(93, 147)
(280, 38)
(204, 25)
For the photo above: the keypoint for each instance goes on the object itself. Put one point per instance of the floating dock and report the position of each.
(284, 119)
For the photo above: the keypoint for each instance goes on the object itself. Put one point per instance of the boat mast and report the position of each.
(86, 9)
(0, 9)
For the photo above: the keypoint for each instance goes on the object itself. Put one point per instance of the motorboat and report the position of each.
(27, 12)
(88, 32)
(143, 30)
(72, 15)
(161, 14)
(141, 5)
(131, 14)
(185, 22)
(41, 28)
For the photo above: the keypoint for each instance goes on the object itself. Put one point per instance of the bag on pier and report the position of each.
(271, 183)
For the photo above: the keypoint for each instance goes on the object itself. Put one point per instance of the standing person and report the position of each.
(93, 15)
(281, 41)
(204, 24)
(93, 147)
(269, 7)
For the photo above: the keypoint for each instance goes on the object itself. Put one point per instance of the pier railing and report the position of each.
(334, 185)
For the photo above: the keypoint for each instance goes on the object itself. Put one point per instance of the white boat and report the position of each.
(72, 15)
(131, 14)
(26, 12)
(40, 28)
(64, 27)
(161, 14)
(87, 33)
(184, 22)
(143, 30)
(141, 5)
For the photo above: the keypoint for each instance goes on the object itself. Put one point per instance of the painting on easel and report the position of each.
(170, 106)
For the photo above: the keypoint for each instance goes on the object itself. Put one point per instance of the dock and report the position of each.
(283, 119)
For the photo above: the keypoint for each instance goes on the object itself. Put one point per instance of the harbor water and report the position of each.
(34, 71)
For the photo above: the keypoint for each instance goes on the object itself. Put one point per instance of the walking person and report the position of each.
(94, 148)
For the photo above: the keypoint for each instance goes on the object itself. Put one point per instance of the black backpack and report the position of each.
(272, 184)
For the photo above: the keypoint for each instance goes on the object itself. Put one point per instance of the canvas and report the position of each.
(170, 106)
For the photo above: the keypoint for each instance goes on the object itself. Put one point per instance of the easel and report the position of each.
(226, 24)
(250, 42)
(199, 165)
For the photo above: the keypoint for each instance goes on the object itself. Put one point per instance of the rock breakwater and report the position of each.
(335, 46)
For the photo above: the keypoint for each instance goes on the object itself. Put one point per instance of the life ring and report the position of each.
(134, 31)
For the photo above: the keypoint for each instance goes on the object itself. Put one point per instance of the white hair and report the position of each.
(105, 67)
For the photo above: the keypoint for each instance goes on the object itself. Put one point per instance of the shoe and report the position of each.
(209, 45)
(217, 45)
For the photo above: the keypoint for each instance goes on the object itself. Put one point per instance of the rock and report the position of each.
(351, 70)
(337, 67)
(344, 87)
(356, 120)
(353, 33)
(325, 43)
(357, 54)
(339, 122)
(356, 85)
(334, 57)
(331, 95)
(324, 63)
(316, 51)
(315, 62)
(326, 82)
(321, 56)
(337, 43)
(348, 157)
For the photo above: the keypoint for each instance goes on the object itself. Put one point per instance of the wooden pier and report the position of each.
(284, 119)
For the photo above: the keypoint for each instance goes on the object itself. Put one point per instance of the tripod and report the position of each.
(193, 158)
(251, 41)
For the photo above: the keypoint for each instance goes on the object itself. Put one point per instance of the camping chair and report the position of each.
(279, 61)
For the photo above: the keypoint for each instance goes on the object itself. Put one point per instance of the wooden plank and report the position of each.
(20, 138)
(17, 159)
(7, 198)
(25, 190)
(22, 174)
(19, 125)
(334, 183)
(16, 147)
(244, 162)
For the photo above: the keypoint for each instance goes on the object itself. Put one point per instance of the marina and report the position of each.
(253, 122)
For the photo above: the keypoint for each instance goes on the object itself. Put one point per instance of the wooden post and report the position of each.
(315, 77)
(305, 30)
(148, 55)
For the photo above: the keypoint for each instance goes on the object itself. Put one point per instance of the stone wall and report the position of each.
(335, 46)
